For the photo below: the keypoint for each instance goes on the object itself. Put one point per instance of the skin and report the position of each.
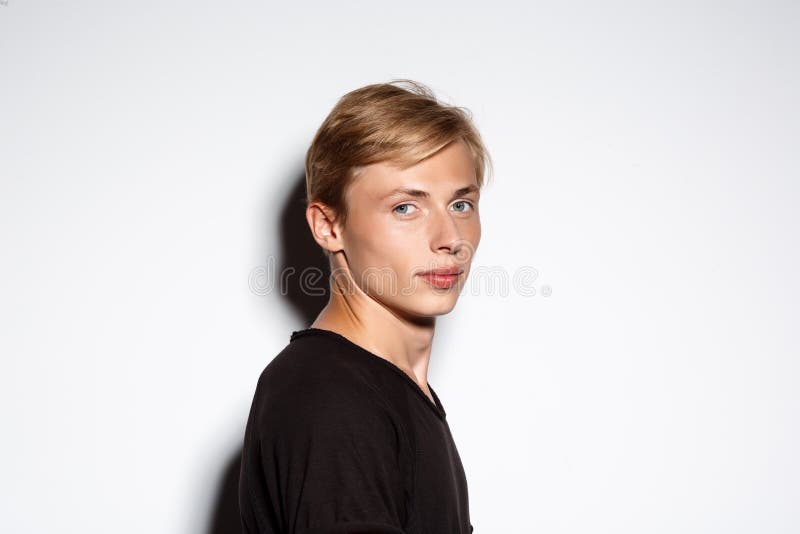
(377, 298)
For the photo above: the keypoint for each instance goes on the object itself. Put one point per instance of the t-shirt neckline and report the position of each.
(435, 406)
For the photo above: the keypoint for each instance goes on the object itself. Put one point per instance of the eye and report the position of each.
(462, 205)
(403, 209)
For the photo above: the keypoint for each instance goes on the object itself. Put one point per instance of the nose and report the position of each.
(447, 237)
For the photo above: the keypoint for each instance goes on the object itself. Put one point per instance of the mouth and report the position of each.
(442, 278)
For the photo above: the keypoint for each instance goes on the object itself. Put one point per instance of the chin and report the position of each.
(430, 306)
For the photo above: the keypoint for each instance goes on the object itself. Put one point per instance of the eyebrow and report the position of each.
(424, 194)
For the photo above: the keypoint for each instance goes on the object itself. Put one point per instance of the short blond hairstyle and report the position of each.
(401, 122)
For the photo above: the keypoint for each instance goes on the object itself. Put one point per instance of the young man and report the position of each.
(345, 434)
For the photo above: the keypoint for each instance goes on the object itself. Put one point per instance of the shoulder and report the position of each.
(313, 372)
(310, 387)
(327, 441)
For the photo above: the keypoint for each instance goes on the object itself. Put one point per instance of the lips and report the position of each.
(442, 278)
(445, 271)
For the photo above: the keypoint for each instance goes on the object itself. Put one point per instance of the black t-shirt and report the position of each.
(340, 440)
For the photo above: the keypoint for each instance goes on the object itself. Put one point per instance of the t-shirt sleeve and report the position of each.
(334, 462)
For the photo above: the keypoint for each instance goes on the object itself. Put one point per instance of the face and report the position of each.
(404, 223)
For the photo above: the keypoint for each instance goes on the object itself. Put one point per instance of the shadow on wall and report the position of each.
(298, 251)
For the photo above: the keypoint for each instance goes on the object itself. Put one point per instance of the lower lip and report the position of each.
(441, 281)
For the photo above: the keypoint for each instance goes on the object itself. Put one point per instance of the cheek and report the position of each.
(380, 244)
(475, 229)
(471, 232)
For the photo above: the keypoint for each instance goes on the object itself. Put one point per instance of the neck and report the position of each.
(404, 341)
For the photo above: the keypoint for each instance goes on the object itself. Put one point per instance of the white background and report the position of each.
(646, 160)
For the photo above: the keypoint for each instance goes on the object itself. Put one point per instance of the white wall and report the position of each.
(646, 165)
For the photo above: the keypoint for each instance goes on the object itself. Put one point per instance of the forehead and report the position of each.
(451, 168)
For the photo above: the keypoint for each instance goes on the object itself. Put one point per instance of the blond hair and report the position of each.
(401, 122)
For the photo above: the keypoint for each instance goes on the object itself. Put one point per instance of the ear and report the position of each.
(325, 228)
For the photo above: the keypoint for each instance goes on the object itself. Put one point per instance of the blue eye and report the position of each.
(464, 203)
(398, 209)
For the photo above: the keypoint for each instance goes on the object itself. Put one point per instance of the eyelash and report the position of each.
(467, 202)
